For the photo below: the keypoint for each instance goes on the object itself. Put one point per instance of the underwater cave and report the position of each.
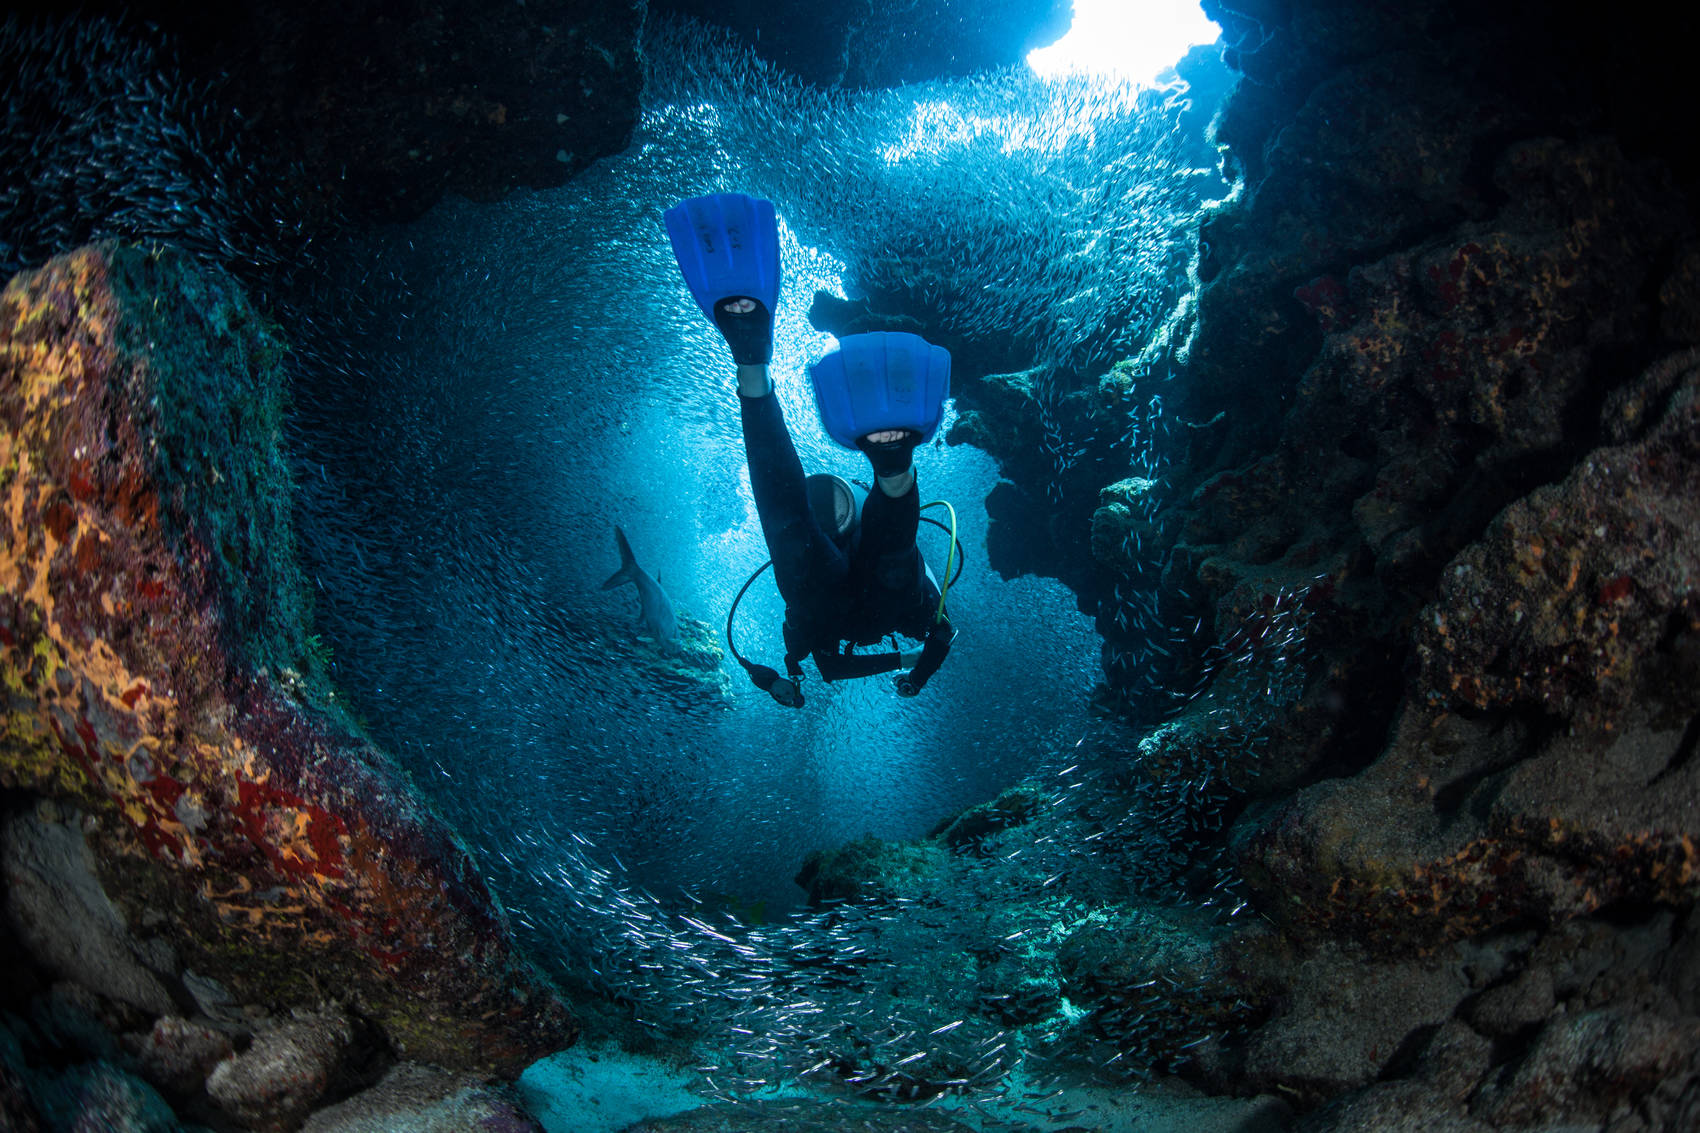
(1315, 751)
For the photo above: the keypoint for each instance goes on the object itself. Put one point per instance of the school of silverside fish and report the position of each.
(891, 997)
(104, 138)
(1070, 204)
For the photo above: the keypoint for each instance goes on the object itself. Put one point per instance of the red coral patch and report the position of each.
(1616, 590)
(323, 830)
(59, 519)
(1325, 298)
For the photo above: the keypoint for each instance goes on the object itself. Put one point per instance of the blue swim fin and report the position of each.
(883, 380)
(727, 246)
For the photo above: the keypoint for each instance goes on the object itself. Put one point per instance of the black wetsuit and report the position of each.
(879, 587)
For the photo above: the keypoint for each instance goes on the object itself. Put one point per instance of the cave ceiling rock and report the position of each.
(376, 110)
(879, 43)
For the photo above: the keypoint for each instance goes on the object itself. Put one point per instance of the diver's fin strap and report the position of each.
(891, 458)
(750, 335)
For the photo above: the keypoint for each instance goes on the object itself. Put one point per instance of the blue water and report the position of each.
(578, 387)
(532, 372)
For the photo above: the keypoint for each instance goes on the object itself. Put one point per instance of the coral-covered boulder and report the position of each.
(870, 869)
(1541, 769)
(1573, 602)
(1156, 980)
(290, 1065)
(160, 676)
(98, 1095)
(176, 1056)
(424, 1099)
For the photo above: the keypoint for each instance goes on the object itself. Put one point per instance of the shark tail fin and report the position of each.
(628, 563)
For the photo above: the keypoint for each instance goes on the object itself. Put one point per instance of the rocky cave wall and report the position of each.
(1444, 374)
(1450, 249)
(1454, 279)
(1436, 399)
(1441, 390)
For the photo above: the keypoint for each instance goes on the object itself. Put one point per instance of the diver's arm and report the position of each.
(933, 653)
(836, 666)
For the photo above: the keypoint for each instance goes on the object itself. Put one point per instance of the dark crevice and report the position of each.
(1631, 913)
(1510, 1049)
(1373, 690)
(1450, 798)
(1485, 155)
(1677, 626)
(1610, 369)
(1408, 1054)
(1659, 267)
(1684, 752)
(1529, 733)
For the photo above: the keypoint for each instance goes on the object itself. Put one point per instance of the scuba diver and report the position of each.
(844, 557)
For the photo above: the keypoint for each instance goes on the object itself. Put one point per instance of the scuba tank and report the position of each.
(837, 504)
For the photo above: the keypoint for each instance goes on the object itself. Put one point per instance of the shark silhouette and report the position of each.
(655, 607)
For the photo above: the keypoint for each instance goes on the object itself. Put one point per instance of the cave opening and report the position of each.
(532, 375)
(1360, 498)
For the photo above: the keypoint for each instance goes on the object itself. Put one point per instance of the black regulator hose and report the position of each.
(783, 689)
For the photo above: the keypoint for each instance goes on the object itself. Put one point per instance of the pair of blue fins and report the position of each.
(727, 246)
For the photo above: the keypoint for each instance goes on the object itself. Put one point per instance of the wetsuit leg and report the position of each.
(888, 524)
(888, 565)
(809, 567)
(887, 572)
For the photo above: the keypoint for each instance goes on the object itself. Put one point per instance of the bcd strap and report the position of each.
(795, 649)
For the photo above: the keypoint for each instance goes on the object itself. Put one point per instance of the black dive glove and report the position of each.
(933, 652)
(749, 334)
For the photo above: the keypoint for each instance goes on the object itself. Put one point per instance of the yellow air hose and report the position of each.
(950, 556)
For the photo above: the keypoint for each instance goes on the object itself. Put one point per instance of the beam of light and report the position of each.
(1131, 39)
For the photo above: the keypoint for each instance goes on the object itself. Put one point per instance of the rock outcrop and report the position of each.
(194, 827)
(1443, 378)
